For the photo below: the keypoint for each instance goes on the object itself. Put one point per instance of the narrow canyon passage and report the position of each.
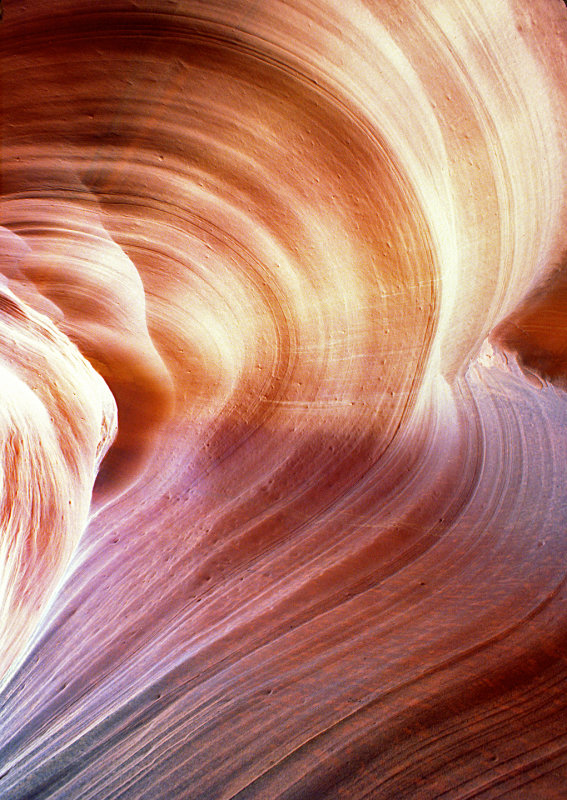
(283, 423)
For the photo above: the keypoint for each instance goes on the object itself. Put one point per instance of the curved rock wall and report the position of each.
(283, 428)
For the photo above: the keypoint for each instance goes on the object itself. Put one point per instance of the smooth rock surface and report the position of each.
(283, 424)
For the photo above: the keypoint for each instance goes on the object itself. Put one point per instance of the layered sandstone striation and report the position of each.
(283, 357)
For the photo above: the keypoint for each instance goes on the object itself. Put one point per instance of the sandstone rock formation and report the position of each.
(283, 420)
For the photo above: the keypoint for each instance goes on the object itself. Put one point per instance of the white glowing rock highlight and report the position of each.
(57, 420)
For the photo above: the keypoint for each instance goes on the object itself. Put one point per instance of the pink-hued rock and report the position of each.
(283, 353)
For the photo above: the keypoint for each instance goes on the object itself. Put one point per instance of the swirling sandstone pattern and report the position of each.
(297, 268)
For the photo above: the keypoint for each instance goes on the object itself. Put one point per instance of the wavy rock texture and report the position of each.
(299, 267)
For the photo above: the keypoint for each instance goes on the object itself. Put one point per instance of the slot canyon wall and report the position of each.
(283, 423)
